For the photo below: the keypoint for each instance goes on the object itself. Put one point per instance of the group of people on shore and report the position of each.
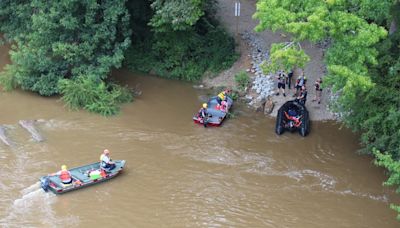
(66, 178)
(300, 89)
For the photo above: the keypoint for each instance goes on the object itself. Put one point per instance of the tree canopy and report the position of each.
(363, 64)
(176, 14)
(183, 40)
(69, 47)
(286, 56)
(353, 37)
(61, 40)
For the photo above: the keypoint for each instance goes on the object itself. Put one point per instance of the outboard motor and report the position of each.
(45, 183)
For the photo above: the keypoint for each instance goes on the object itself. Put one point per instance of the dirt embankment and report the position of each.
(314, 69)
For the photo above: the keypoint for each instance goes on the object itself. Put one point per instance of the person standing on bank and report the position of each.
(289, 79)
(300, 82)
(302, 98)
(318, 90)
(281, 83)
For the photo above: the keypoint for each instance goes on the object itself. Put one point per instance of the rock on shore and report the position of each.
(262, 84)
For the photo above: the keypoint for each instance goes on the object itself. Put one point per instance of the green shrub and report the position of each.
(93, 95)
(7, 79)
(234, 95)
(393, 168)
(242, 80)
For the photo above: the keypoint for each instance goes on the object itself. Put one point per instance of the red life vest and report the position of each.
(295, 119)
(65, 176)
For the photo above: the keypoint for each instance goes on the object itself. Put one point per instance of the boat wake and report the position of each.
(325, 181)
(28, 199)
(30, 189)
(380, 198)
(34, 208)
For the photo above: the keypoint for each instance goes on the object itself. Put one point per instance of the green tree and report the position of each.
(393, 168)
(286, 56)
(176, 14)
(63, 40)
(353, 38)
(14, 17)
(184, 41)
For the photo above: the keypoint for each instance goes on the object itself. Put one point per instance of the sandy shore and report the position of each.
(314, 69)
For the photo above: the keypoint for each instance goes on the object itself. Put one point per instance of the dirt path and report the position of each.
(313, 70)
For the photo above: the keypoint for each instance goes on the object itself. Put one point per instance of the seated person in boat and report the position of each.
(291, 115)
(223, 107)
(64, 174)
(203, 112)
(105, 161)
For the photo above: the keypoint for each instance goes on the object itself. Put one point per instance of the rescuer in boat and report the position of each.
(105, 161)
(64, 174)
(203, 111)
(295, 120)
(223, 107)
(203, 114)
(222, 96)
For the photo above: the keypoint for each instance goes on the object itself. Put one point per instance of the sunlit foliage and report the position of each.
(285, 56)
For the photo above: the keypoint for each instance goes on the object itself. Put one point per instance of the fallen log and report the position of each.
(29, 125)
(3, 136)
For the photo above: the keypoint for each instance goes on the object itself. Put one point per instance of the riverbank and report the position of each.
(241, 175)
(254, 48)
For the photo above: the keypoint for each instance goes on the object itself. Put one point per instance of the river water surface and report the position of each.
(180, 174)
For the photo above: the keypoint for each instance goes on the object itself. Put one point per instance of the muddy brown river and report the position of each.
(179, 174)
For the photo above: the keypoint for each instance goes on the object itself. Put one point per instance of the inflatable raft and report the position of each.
(292, 116)
(215, 114)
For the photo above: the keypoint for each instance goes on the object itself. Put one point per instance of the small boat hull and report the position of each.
(81, 177)
(216, 116)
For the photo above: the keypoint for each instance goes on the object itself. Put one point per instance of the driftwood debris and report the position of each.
(3, 136)
(29, 125)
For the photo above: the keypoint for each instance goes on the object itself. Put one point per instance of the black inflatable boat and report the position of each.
(292, 116)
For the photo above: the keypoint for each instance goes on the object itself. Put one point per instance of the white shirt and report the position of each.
(106, 159)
